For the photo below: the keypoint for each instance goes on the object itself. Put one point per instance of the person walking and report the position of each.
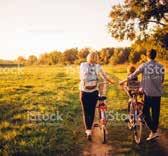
(90, 72)
(152, 85)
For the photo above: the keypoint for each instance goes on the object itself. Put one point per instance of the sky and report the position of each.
(36, 26)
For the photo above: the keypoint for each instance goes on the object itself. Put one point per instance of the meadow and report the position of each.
(40, 112)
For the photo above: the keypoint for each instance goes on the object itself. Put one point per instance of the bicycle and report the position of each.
(135, 122)
(102, 108)
(102, 118)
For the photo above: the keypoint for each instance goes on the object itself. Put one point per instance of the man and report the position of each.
(152, 84)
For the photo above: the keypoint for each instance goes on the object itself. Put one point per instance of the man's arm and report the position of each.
(139, 70)
(123, 81)
(105, 77)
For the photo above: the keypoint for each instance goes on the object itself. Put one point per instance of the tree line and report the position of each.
(76, 56)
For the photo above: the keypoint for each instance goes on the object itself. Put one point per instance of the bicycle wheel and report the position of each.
(138, 131)
(103, 134)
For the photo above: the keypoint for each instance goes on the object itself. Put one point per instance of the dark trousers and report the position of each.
(89, 101)
(151, 112)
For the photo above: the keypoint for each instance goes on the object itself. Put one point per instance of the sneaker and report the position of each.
(152, 136)
(88, 134)
(88, 131)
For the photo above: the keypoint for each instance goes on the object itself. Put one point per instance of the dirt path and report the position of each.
(96, 148)
(120, 141)
(120, 144)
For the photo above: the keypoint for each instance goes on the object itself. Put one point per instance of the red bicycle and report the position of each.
(102, 108)
(102, 111)
(135, 122)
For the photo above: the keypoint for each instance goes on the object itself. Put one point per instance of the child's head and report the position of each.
(131, 69)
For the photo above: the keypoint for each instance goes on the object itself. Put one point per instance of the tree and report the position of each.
(32, 60)
(120, 56)
(105, 54)
(161, 35)
(21, 60)
(44, 59)
(55, 57)
(141, 46)
(133, 19)
(70, 55)
(82, 54)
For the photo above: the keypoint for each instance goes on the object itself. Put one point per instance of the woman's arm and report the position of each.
(105, 77)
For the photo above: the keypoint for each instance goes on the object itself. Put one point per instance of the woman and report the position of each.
(90, 72)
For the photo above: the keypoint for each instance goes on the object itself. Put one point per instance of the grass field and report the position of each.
(40, 113)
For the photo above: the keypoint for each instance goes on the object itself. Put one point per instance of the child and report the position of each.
(131, 69)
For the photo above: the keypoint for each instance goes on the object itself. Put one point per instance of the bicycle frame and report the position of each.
(135, 123)
(102, 108)
(134, 105)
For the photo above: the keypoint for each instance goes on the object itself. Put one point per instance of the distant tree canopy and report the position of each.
(32, 59)
(21, 60)
(135, 54)
(82, 54)
(120, 56)
(133, 18)
(105, 55)
(76, 56)
(143, 21)
(69, 56)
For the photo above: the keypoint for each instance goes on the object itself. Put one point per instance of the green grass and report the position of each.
(50, 90)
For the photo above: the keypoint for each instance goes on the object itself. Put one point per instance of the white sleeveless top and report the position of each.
(84, 68)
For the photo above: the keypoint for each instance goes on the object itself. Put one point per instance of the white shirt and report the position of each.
(84, 70)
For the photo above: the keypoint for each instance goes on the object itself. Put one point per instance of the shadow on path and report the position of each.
(120, 143)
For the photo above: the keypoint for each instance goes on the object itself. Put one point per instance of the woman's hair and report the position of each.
(131, 69)
(93, 57)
